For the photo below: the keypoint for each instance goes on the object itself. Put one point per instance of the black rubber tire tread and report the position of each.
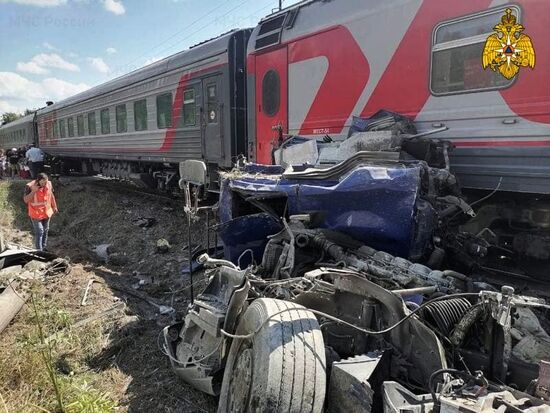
(289, 368)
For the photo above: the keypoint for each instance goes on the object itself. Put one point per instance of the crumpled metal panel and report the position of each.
(248, 232)
(376, 205)
(355, 381)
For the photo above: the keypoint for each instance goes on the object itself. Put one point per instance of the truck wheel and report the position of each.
(282, 368)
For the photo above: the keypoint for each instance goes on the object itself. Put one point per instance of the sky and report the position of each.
(52, 49)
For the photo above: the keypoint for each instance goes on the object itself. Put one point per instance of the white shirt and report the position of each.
(35, 155)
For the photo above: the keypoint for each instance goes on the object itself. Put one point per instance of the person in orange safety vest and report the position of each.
(41, 205)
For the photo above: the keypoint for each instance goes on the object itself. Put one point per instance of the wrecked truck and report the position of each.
(341, 287)
(326, 299)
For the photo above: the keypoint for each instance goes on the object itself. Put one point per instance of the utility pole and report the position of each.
(280, 5)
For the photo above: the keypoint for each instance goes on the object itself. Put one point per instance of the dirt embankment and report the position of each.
(116, 358)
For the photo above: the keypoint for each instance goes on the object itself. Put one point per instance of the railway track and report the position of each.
(130, 187)
(522, 283)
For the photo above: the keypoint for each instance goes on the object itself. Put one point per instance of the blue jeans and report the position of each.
(35, 168)
(40, 227)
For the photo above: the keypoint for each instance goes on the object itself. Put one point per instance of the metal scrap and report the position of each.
(86, 292)
(11, 302)
(19, 266)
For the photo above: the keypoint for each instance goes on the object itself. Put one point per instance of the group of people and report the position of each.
(21, 162)
(38, 196)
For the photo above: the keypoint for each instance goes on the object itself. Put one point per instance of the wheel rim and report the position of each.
(241, 380)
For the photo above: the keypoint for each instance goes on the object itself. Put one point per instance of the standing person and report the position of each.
(13, 160)
(35, 159)
(41, 204)
(2, 163)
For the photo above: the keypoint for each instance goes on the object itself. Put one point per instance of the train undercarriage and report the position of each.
(160, 177)
(518, 228)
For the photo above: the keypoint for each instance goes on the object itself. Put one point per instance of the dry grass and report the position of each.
(25, 382)
(25, 359)
(113, 363)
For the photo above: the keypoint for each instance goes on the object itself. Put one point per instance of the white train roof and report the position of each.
(19, 122)
(196, 53)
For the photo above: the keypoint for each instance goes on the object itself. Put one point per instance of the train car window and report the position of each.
(271, 93)
(70, 126)
(140, 115)
(212, 104)
(164, 111)
(80, 125)
(91, 123)
(55, 130)
(105, 121)
(457, 47)
(121, 121)
(189, 114)
(62, 132)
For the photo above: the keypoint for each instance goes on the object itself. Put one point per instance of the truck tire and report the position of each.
(282, 368)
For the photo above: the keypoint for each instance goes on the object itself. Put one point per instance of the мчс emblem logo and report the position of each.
(507, 50)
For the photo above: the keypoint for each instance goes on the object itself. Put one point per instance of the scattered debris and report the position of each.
(103, 251)
(144, 222)
(12, 300)
(90, 218)
(118, 259)
(7, 273)
(143, 281)
(163, 246)
(86, 292)
(163, 309)
(115, 308)
(18, 266)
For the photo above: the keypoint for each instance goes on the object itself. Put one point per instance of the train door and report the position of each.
(212, 119)
(271, 101)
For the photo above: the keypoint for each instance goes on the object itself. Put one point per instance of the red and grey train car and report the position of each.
(313, 66)
(141, 125)
(308, 70)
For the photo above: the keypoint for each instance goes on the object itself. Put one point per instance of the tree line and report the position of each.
(8, 117)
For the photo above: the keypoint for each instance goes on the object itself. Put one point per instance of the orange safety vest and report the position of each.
(40, 207)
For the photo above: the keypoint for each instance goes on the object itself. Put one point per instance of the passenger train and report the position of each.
(18, 134)
(307, 70)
